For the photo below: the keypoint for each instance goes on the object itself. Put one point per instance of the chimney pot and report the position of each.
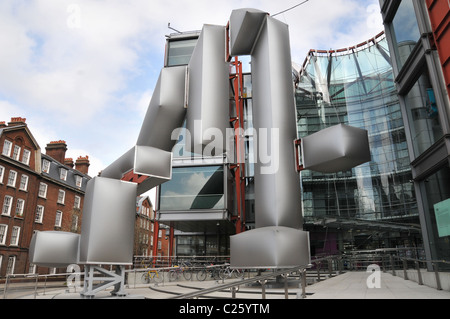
(57, 150)
(82, 164)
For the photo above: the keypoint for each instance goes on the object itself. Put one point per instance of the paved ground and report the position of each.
(350, 285)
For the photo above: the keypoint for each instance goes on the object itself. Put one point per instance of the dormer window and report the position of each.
(78, 180)
(63, 174)
(45, 166)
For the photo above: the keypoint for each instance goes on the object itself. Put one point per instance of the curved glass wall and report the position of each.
(356, 87)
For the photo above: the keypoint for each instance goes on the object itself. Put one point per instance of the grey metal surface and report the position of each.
(54, 249)
(208, 106)
(334, 149)
(107, 232)
(245, 25)
(277, 241)
(166, 111)
(277, 185)
(270, 247)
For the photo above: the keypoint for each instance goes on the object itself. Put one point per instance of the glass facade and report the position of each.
(179, 51)
(356, 87)
(423, 114)
(406, 31)
(423, 101)
(193, 188)
(437, 193)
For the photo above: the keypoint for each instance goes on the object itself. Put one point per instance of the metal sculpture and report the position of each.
(199, 93)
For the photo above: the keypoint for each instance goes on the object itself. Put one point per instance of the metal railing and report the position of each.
(398, 261)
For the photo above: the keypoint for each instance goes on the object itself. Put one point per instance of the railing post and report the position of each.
(391, 258)
(6, 286)
(405, 273)
(233, 292)
(318, 270)
(303, 274)
(419, 273)
(286, 286)
(330, 267)
(436, 272)
(263, 288)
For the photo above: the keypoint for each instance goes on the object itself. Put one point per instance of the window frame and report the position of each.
(9, 207)
(19, 209)
(13, 184)
(39, 215)
(15, 234)
(58, 218)
(41, 184)
(3, 234)
(7, 147)
(25, 188)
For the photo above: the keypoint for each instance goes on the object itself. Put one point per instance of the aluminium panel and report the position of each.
(166, 111)
(337, 148)
(270, 247)
(54, 249)
(107, 232)
(277, 184)
(245, 25)
(207, 115)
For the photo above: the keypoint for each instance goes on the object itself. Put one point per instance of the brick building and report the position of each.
(38, 192)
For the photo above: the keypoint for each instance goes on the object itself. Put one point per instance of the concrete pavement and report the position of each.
(349, 285)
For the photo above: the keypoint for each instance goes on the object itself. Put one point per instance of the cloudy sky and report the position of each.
(83, 71)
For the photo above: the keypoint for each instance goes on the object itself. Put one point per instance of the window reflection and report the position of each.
(423, 115)
(357, 88)
(437, 194)
(193, 188)
(406, 30)
(180, 51)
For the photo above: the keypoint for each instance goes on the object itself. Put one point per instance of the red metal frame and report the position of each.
(297, 145)
(439, 13)
(238, 125)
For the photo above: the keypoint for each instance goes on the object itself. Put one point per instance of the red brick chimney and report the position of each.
(3, 124)
(17, 121)
(69, 162)
(57, 150)
(82, 164)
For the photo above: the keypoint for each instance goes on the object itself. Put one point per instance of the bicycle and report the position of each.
(229, 272)
(212, 270)
(176, 272)
(152, 276)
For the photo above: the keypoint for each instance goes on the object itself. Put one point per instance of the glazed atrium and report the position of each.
(372, 205)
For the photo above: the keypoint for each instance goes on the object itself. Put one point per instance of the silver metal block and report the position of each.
(167, 110)
(245, 25)
(54, 249)
(277, 185)
(153, 162)
(334, 149)
(208, 106)
(270, 247)
(107, 232)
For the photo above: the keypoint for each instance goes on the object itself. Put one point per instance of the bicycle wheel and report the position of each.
(187, 274)
(158, 277)
(238, 273)
(173, 275)
(201, 275)
(145, 278)
(223, 274)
